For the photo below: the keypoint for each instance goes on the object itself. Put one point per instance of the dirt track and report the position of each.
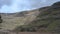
(12, 32)
(33, 33)
(26, 33)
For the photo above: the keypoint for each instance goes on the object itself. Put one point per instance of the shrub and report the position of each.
(0, 19)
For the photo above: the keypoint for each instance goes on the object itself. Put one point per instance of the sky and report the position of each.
(11, 6)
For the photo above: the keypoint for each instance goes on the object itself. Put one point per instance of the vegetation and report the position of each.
(0, 19)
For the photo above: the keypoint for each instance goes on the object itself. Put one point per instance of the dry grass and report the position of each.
(10, 21)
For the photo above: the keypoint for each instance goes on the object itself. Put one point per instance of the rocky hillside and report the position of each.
(48, 20)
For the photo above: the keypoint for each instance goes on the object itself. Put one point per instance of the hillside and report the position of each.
(12, 20)
(48, 20)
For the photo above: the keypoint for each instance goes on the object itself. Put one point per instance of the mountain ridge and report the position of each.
(46, 21)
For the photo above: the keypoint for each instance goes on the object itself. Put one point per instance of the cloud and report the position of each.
(28, 4)
(10, 6)
(50, 2)
(5, 2)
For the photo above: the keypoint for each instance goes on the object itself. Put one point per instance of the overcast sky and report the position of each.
(10, 6)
